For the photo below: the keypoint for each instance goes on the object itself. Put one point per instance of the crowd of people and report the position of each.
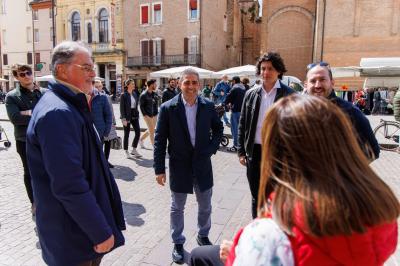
(315, 199)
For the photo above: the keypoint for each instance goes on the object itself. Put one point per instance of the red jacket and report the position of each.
(372, 248)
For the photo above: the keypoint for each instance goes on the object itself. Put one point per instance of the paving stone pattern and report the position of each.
(146, 206)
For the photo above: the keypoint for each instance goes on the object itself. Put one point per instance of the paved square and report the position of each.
(146, 206)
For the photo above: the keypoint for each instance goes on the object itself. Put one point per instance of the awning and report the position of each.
(176, 72)
(371, 67)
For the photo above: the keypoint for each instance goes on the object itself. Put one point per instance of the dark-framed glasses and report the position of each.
(322, 63)
(25, 74)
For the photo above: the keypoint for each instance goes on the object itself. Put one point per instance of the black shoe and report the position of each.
(178, 254)
(110, 165)
(203, 241)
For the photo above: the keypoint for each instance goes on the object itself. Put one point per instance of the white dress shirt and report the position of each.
(267, 99)
(133, 101)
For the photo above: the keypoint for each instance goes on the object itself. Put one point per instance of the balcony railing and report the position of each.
(164, 60)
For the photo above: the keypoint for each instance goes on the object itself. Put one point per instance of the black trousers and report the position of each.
(21, 149)
(253, 176)
(205, 256)
(127, 129)
(107, 148)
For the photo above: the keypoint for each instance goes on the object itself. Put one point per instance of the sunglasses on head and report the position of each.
(25, 74)
(322, 63)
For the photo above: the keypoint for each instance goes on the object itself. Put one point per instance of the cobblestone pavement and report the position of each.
(146, 207)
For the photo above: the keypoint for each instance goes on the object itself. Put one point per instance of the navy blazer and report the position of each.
(77, 199)
(186, 162)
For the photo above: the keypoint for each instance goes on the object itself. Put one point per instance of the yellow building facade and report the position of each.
(99, 23)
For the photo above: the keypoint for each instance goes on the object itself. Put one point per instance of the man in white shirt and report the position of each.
(257, 101)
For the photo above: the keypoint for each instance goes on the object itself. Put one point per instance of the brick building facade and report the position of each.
(340, 32)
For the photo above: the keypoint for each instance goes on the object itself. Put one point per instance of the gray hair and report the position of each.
(64, 53)
(189, 71)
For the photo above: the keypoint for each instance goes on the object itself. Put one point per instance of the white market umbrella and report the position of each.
(176, 72)
(45, 78)
(3, 80)
(247, 71)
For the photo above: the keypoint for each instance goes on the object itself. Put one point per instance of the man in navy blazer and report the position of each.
(79, 213)
(193, 131)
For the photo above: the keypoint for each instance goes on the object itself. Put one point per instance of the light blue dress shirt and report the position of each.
(191, 112)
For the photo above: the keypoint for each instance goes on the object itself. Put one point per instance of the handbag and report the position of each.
(116, 144)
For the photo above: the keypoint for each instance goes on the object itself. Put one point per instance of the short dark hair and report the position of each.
(150, 82)
(236, 79)
(171, 79)
(20, 67)
(276, 61)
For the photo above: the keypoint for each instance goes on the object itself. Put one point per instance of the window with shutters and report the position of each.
(103, 26)
(29, 58)
(157, 13)
(193, 9)
(193, 49)
(37, 61)
(36, 35)
(144, 14)
(146, 51)
(5, 59)
(89, 33)
(76, 26)
(158, 50)
(35, 14)
(28, 34)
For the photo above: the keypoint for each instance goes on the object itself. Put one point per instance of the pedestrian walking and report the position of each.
(113, 131)
(170, 92)
(270, 67)
(220, 91)
(234, 100)
(320, 83)
(149, 108)
(100, 110)
(129, 109)
(190, 126)
(79, 214)
(285, 231)
(20, 103)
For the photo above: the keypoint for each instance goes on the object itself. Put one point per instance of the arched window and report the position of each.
(103, 26)
(76, 26)
(89, 33)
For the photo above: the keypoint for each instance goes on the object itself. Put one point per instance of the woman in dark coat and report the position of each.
(130, 116)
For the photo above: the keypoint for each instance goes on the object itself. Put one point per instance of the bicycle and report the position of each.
(387, 134)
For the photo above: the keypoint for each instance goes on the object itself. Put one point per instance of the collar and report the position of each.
(273, 90)
(185, 103)
(74, 89)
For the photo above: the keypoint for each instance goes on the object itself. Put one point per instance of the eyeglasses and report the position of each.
(87, 68)
(322, 63)
(25, 74)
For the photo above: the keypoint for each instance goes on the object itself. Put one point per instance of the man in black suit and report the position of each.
(191, 127)
(257, 101)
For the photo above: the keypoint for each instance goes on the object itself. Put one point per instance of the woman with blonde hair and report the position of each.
(328, 207)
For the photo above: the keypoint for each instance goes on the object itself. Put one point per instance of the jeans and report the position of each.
(235, 127)
(21, 149)
(177, 214)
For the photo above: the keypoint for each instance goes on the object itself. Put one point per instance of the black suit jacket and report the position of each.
(125, 106)
(249, 116)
